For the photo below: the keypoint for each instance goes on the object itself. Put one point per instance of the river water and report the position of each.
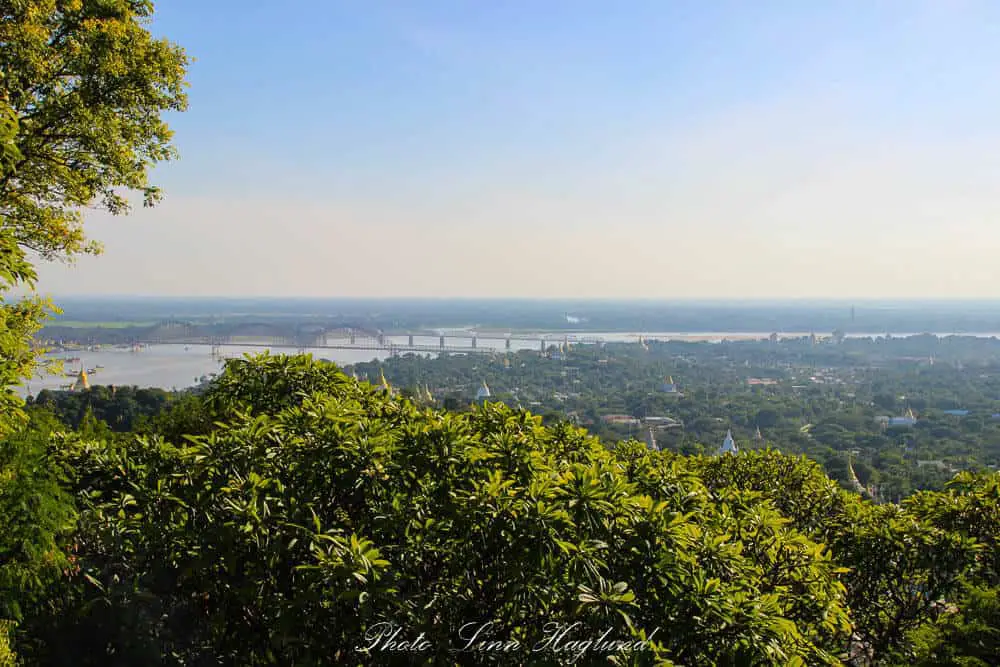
(179, 366)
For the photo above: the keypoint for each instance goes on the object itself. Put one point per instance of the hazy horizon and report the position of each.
(839, 301)
(645, 150)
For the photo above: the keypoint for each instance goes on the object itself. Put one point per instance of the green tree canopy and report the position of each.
(83, 90)
(85, 86)
(317, 508)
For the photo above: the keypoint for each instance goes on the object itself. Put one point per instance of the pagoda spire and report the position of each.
(651, 440)
(82, 381)
(728, 445)
(484, 392)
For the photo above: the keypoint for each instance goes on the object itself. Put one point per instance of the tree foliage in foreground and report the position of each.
(83, 90)
(319, 507)
(909, 566)
(289, 510)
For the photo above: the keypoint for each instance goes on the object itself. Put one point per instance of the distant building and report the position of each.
(907, 420)
(628, 420)
(957, 413)
(662, 422)
(757, 436)
(669, 386)
(728, 445)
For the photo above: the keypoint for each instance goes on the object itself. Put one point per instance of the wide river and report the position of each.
(179, 366)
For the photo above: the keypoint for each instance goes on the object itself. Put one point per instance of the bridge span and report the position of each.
(397, 343)
(361, 347)
(174, 331)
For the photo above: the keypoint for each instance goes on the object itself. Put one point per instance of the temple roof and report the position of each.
(728, 445)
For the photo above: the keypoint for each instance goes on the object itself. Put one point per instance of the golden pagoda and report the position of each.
(82, 382)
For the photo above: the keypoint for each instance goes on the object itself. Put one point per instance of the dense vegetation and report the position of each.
(823, 400)
(119, 409)
(289, 510)
(83, 86)
(290, 514)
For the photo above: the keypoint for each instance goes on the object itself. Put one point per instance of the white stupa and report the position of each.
(484, 392)
(728, 445)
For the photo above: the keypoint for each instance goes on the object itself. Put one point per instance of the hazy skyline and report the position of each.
(572, 149)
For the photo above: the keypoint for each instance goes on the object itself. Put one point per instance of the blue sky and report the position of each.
(578, 148)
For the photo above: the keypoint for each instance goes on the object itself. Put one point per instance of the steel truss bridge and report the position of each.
(347, 339)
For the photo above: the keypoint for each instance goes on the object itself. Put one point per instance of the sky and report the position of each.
(571, 148)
